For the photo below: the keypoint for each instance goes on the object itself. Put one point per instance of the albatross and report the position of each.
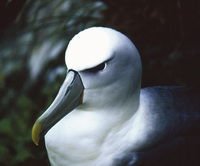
(102, 117)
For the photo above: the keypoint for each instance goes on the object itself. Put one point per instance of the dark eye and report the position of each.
(97, 68)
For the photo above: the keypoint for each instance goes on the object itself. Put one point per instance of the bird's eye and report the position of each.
(97, 68)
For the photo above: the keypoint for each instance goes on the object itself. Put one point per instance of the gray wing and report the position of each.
(180, 151)
(180, 108)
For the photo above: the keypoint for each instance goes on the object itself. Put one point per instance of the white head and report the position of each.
(109, 65)
(104, 77)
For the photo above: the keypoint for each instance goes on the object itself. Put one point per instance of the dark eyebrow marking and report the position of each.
(97, 68)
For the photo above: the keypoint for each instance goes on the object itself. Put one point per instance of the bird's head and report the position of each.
(104, 70)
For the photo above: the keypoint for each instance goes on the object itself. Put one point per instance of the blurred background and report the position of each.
(33, 38)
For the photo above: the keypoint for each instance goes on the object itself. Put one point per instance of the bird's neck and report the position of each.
(85, 132)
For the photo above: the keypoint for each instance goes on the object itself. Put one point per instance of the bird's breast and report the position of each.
(75, 138)
(80, 137)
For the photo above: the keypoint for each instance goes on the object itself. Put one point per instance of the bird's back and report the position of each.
(177, 112)
(178, 104)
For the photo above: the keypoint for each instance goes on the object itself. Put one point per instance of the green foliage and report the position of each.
(15, 131)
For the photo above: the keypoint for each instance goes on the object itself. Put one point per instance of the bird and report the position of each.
(102, 117)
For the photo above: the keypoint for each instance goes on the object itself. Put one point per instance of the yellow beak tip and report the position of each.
(36, 130)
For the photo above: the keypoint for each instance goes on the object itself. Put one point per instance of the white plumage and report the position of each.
(117, 123)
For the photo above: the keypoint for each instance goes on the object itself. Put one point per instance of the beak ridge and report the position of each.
(68, 98)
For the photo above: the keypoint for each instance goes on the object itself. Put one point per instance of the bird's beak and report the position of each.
(69, 97)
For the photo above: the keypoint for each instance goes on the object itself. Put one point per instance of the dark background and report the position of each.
(32, 67)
